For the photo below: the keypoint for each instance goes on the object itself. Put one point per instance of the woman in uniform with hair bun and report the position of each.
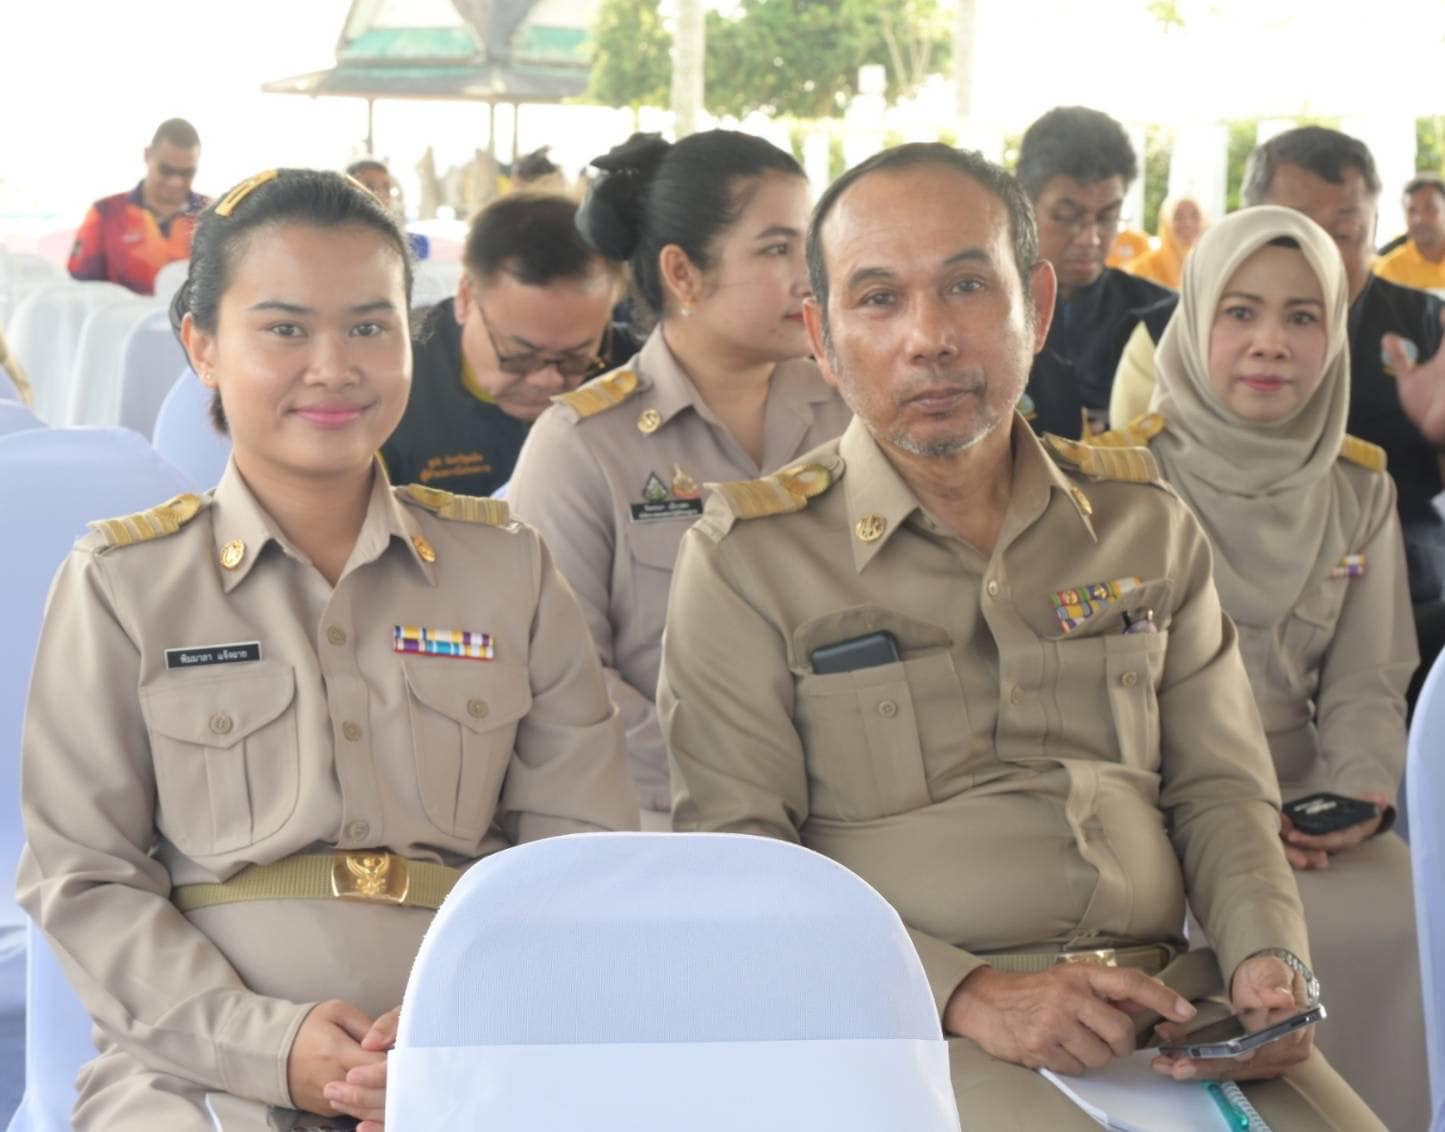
(712, 229)
(270, 725)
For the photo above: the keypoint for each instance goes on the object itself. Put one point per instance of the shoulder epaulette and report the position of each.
(462, 508)
(1135, 465)
(1362, 452)
(154, 522)
(1136, 434)
(600, 393)
(777, 494)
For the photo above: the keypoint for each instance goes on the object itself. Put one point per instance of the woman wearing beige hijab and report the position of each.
(1248, 425)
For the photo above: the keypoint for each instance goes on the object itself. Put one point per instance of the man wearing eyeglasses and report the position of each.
(128, 237)
(531, 319)
(1075, 164)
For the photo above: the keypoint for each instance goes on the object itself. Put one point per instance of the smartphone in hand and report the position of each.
(1234, 1033)
(1321, 813)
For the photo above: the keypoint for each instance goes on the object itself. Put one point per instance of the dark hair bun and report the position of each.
(611, 216)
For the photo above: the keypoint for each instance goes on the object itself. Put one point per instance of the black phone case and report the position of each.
(1342, 813)
(858, 652)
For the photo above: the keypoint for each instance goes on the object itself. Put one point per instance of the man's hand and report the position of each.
(363, 1093)
(327, 1047)
(1310, 851)
(1421, 387)
(1262, 982)
(1071, 1017)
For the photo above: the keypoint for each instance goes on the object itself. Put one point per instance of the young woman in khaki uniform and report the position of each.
(612, 476)
(1249, 427)
(269, 725)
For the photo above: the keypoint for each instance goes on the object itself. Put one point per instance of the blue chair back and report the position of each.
(52, 482)
(185, 436)
(1425, 789)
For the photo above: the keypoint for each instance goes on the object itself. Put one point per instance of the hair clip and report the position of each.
(243, 190)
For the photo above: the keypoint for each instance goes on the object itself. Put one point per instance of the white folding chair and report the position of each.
(654, 982)
(8, 389)
(435, 280)
(52, 481)
(169, 280)
(1425, 794)
(95, 383)
(19, 275)
(150, 360)
(185, 436)
(44, 333)
(15, 417)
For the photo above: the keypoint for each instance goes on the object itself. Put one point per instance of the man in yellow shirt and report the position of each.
(1420, 260)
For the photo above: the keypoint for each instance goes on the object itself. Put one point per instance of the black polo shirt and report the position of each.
(449, 436)
(1075, 370)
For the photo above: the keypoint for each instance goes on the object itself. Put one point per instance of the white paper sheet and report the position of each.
(1128, 1096)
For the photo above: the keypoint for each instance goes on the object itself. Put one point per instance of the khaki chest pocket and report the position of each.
(225, 753)
(885, 739)
(464, 717)
(1122, 670)
(1308, 630)
(652, 545)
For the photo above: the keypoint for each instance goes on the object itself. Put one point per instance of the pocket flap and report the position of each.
(218, 710)
(860, 620)
(1153, 595)
(480, 695)
(656, 543)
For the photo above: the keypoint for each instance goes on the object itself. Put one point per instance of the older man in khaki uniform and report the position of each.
(991, 677)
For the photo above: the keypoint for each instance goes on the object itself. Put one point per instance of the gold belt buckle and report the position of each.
(1101, 956)
(366, 874)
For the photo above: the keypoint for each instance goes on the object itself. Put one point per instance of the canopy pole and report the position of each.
(370, 126)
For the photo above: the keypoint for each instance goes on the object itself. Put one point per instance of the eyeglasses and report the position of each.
(164, 170)
(569, 365)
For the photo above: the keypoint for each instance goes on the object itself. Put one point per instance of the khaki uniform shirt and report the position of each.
(614, 493)
(1330, 676)
(1006, 785)
(148, 761)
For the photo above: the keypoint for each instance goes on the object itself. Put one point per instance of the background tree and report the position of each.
(631, 56)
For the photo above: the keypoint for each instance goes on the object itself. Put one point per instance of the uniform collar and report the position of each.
(876, 493)
(242, 529)
(672, 390)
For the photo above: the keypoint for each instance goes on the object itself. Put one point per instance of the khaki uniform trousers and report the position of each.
(1002, 1097)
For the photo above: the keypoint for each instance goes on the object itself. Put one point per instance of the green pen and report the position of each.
(1232, 1116)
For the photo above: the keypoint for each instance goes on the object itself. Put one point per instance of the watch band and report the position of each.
(1297, 965)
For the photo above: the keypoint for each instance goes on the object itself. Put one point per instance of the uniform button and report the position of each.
(357, 830)
(221, 723)
(992, 587)
(1129, 679)
(477, 709)
(1016, 695)
(336, 635)
(887, 709)
(351, 730)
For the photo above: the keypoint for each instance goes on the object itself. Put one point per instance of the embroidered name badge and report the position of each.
(460, 643)
(198, 656)
(1350, 566)
(1075, 606)
(680, 501)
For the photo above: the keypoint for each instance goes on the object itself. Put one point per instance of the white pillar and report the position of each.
(688, 54)
(1199, 166)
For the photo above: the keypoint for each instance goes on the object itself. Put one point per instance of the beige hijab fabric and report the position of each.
(1265, 493)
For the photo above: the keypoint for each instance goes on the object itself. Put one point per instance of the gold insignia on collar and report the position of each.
(1082, 500)
(870, 527)
(649, 422)
(424, 549)
(233, 553)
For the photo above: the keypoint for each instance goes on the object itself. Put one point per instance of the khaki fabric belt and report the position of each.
(1150, 958)
(367, 875)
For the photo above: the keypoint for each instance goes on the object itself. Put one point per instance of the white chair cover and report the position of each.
(185, 436)
(8, 389)
(435, 280)
(169, 280)
(95, 384)
(52, 481)
(655, 982)
(44, 333)
(19, 275)
(1425, 789)
(151, 358)
(15, 417)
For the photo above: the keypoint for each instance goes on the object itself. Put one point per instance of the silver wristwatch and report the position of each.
(1297, 965)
